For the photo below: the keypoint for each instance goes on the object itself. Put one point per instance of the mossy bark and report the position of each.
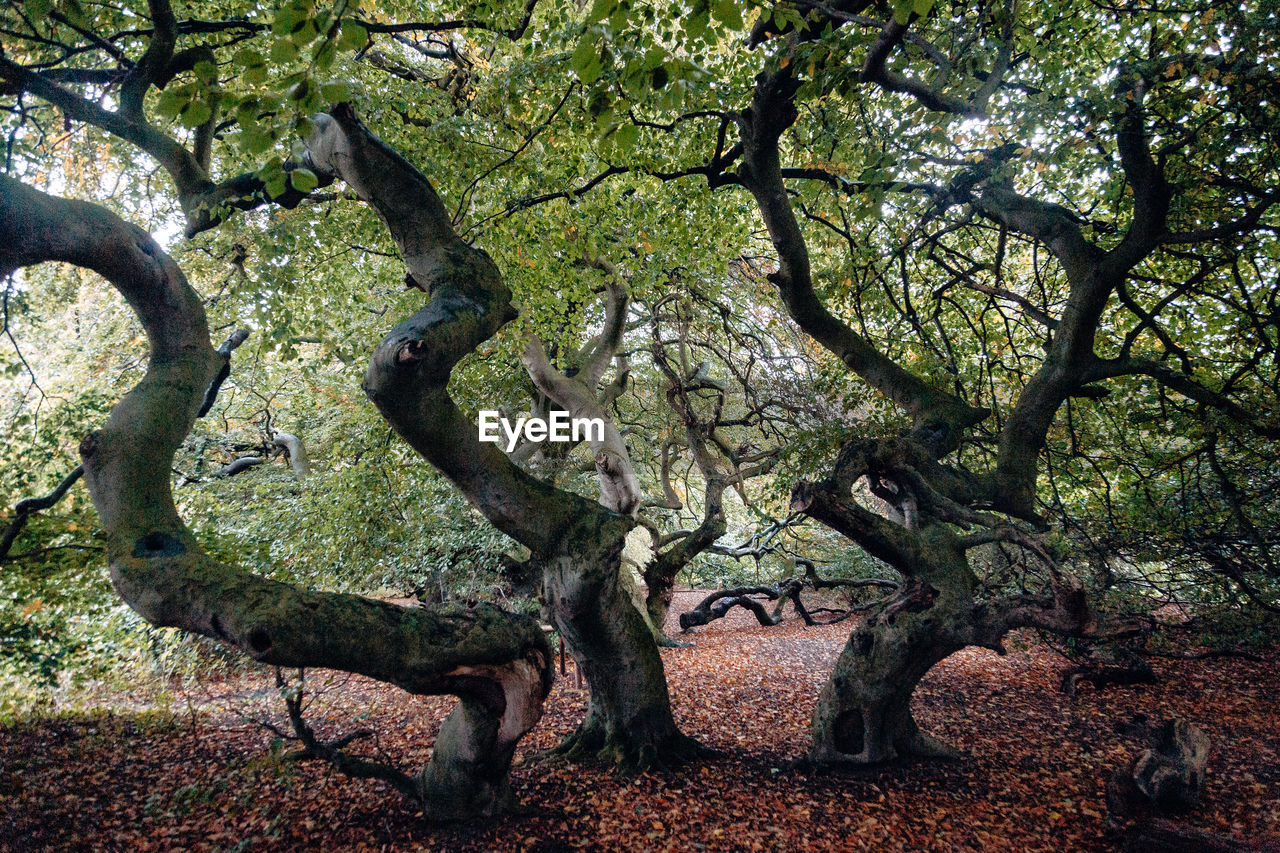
(629, 721)
(864, 713)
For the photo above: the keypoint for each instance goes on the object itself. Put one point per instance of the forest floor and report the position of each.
(200, 774)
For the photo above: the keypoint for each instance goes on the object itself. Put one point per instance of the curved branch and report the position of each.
(718, 603)
(615, 323)
(1066, 613)
(875, 70)
(497, 661)
(190, 179)
(204, 203)
(297, 452)
(619, 485)
(1184, 385)
(879, 537)
(772, 111)
(408, 375)
(238, 466)
(154, 64)
(234, 340)
(512, 33)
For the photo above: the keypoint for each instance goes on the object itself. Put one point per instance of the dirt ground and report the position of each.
(203, 774)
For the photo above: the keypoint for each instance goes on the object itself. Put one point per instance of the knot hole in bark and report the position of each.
(412, 351)
(158, 545)
(847, 733)
(259, 641)
(801, 496)
(89, 445)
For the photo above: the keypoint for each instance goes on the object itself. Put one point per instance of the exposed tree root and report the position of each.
(591, 744)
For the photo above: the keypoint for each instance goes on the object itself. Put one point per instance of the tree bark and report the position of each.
(629, 721)
(1171, 772)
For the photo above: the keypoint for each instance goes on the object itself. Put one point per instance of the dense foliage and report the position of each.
(559, 136)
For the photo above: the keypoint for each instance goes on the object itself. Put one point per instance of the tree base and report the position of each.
(910, 745)
(666, 642)
(591, 744)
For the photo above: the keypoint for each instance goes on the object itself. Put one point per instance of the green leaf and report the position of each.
(626, 138)
(254, 140)
(206, 71)
(695, 24)
(729, 13)
(305, 33)
(74, 13)
(303, 180)
(335, 92)
(195, 114)
(585, 55)
(600, 10)
(247, 57)
(255, 76)
(38, 10)
(599, 103)
(284, 51)
(276, 186)
(287, 19)
(353, 37)
(325, 52)
(171, 102)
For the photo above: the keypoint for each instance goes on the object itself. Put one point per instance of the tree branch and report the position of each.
(771, 113)
(27, 506)
(408, 375)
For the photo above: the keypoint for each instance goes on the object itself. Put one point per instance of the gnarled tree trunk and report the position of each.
(864, 711)
(864, 714)
(497, 662)
(628, 718)
(577, 543)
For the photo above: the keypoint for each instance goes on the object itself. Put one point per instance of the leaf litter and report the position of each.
(206, 776)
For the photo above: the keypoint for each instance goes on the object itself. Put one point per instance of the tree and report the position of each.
(499, 665)
(1012, 252)
(867, 715)
(708, 411)
(576, 543)
(971, 209)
